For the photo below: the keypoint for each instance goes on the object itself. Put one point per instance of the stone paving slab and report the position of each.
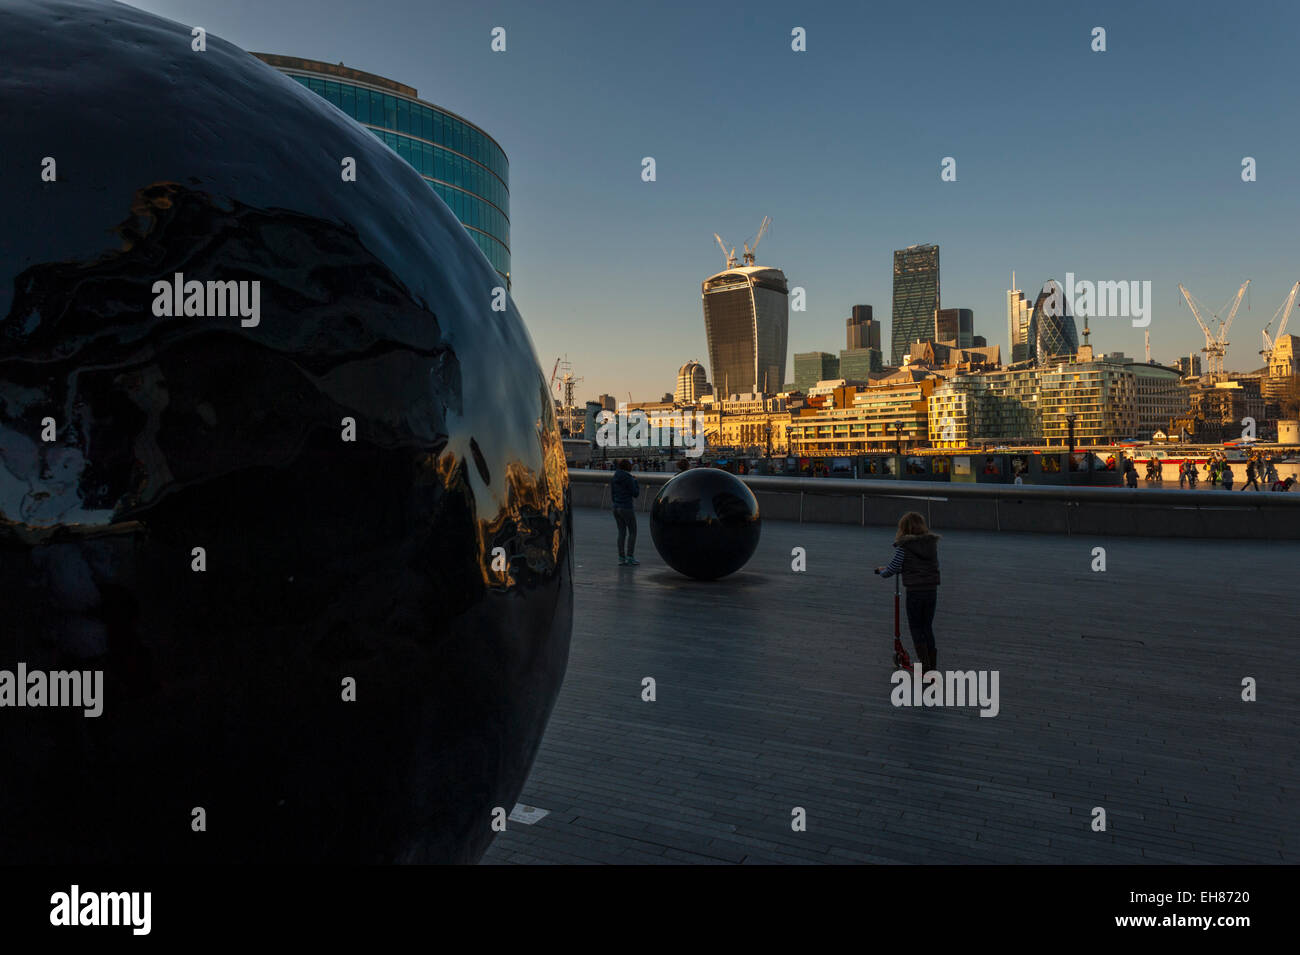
(1119, 689)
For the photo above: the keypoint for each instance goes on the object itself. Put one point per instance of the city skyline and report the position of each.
(842, 145)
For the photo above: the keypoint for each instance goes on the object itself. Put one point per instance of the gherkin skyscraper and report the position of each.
(1052, 332)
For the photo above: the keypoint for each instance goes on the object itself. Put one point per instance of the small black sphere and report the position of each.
(705, 523)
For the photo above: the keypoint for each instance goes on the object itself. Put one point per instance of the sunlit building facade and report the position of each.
(1101, 395)
(692, 383)
(746, 323)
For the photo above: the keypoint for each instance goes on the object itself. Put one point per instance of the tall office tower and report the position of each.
(863, 331)
(459, 161)
(916, 296)
(746, 322)
(955, 325)
(811, 367)
(1052, 335)
(692, 383)
(1018, 311)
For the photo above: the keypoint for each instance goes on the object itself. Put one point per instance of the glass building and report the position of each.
(916, 297)
(1018, 312)
(461, 163)
(857, 364)
(1052, 333)
(955, 325)
(811, 367)
(862, 331)
(746, 323)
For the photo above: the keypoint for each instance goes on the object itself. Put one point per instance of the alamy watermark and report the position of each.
(72, 688)
(1123, 299)
(75, 908)
(210, 299)
(635, 429)
(946, 688)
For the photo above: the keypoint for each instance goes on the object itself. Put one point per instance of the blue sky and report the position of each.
(1116, 166)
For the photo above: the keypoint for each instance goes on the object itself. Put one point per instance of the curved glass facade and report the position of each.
(1051, 335)
(461, 163)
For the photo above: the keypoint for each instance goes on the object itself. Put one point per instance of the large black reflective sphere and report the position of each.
(371, 469)
(705, 523)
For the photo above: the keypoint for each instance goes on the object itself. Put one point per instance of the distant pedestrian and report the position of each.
(623, 492)
(916, 557)
(1252, 478)
(1283, 486)
(1130, 473)
(1270, 471)
(1227, 476)
(1182, 475)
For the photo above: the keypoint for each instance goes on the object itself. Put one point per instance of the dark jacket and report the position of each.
(920, 561)
(623, 489)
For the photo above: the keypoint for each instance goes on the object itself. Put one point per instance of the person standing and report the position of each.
(1227, 475)
(623, 492)
(916, 557)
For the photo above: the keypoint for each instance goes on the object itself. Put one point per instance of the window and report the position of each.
(350, 100)
(390, 111)
(403, 116)
(332, 92)
(362, 105)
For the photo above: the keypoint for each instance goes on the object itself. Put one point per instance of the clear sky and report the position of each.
(1116, 166)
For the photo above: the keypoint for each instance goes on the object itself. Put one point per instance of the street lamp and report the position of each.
(1069, 420)
(898, 440)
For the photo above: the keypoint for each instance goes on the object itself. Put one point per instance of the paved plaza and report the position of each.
(1118, 689)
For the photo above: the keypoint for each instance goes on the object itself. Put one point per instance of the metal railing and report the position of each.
(1069, 509)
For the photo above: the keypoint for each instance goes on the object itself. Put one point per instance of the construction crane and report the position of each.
(1284, 312)
(1216, 345)
(750, 250)
(729, 256)
(565, 387)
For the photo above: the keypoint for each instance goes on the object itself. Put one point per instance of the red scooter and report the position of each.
(901, 660)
